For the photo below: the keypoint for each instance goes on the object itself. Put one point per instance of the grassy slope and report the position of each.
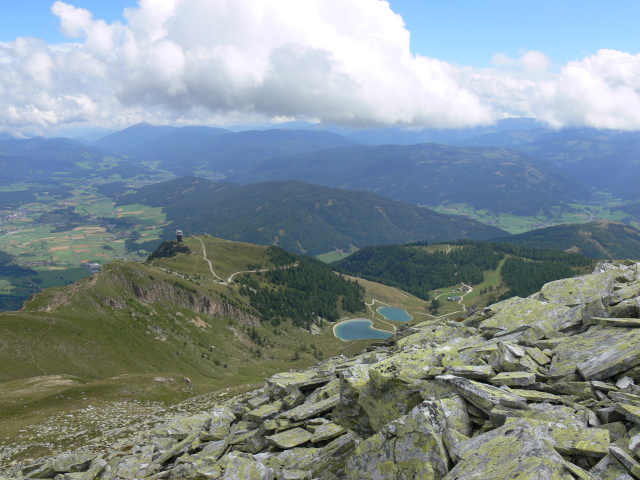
(96, 342)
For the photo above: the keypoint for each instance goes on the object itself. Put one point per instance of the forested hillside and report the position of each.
(601, 240)
(300, 217)
(420, 269)
(302, 293)
(497, 179)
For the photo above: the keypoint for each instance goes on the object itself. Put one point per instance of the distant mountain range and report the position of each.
(300, 217)
(49, 160)
(498, 179)
(603, 159)
(515, 166)
(602, 240)
(187, 149)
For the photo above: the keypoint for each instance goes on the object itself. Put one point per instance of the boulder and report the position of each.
(579, 290)
(532, 319)
(511, 451)
(410, 447)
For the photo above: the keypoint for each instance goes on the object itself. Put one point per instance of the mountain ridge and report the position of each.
(300, 217)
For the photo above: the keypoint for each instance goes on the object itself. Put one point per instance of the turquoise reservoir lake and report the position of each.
(395, 314)
(358, 329)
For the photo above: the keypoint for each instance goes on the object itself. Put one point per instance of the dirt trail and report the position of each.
(204, 255)
(61, 299)
(230, 279)
(373, 312)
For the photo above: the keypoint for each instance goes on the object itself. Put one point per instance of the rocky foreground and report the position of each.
(536, 388)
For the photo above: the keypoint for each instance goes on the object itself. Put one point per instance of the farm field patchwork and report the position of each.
(54, 238)
(514, 224)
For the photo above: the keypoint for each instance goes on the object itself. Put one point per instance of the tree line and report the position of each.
(302, 293)
(418, 271)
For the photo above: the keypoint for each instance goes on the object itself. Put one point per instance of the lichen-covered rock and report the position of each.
(424, 404)
(609, 469)
(244, 466)
(221, 420)
(514, 379)
(569, 440)
(410, 447)
(290, 438)
(304, 411)
(531, 318)
(626, 460)
(455, 410)
(472, 372)
(327, 432)
(597, 354)
(72, 462)
(264, 412)
(511, 451)
(349, 413)
(485, 397)
(630, 412)
(579, 290)
(283, 384)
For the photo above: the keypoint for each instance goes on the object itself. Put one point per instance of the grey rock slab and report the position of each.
(514, 379)
(72, 462)
(626, 460)
(597, 354)
(331, 458)
(511, 451)
(536, 396)
(326, 432)
(568, 440)
(244, 467)
(304, 412)
(283, 384)
(293, 475)
(196, 469)
(472, 372)
(540, 411)
(290, 438)
(182, 426)
(538, 356)
(579, 290)
(94, 470)
(609, 469)
(626, 309)
(578, 472)
(616, 322)
(257, 402)
(604, 386)
(221, 420)
(630, 412)
(485, 397)
(410, 447)
(626, 292)
(456, 413)
(527, 314)
(264, 412)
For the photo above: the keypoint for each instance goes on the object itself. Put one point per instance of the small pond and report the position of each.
(358, 329)
(395, 314)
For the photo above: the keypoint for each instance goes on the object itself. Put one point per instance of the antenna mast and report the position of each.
(189, 226)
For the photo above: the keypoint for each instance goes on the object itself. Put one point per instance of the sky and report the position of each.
(358, 63)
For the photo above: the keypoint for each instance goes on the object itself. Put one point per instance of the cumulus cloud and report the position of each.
(338, 61)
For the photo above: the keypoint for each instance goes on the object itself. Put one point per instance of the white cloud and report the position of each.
(342, 61)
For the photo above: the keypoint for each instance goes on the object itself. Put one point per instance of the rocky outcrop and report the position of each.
(198, 303)
(546, 387)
